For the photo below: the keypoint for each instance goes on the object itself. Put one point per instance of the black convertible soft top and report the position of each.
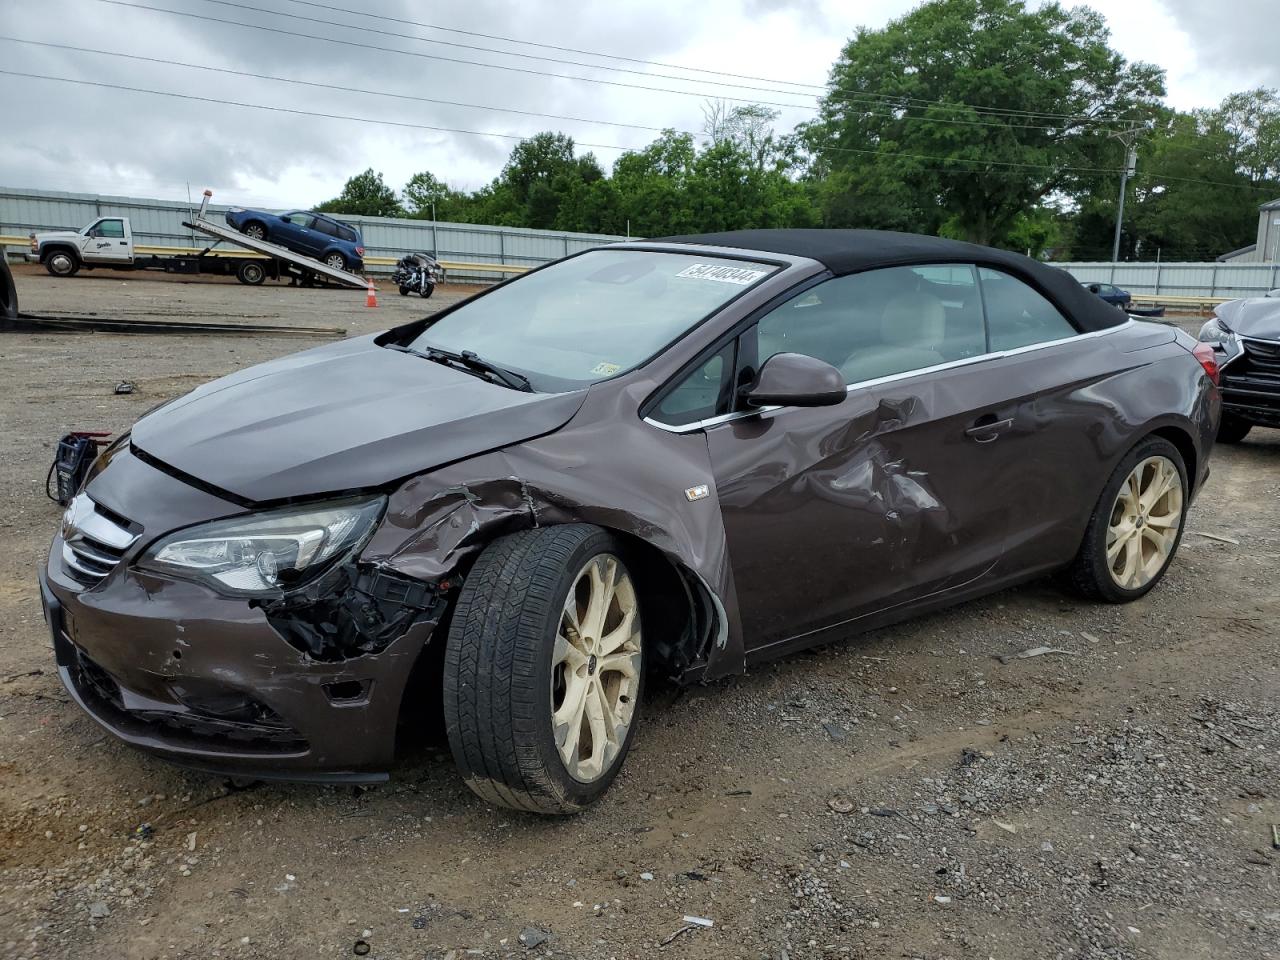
(851, 251)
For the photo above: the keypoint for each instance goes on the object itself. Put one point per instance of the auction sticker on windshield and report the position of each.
(722, 274)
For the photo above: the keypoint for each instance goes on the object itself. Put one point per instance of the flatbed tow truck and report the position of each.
(108, 242)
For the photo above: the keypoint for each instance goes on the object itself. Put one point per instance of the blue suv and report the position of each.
(311, 234)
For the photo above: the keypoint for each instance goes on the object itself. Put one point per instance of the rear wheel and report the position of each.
(255, 231)
(1232, 429)
(404, 291)
(251, 272)
(62, 263)
(544, 669)
(335, 260)
(1136, 526)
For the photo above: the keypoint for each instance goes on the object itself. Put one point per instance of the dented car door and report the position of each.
(835, 513)
(901, 491)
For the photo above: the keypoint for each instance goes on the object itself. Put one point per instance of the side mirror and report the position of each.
(795, 380)
(287, 219)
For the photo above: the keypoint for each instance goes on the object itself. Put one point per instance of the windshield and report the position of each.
(592, 316)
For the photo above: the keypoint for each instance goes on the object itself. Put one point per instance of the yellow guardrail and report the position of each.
(1177, 301)
(147, 250)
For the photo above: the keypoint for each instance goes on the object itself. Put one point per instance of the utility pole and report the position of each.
(1129, 138)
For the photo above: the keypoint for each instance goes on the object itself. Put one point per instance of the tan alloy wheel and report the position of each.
(596, 664)
(1144, 523)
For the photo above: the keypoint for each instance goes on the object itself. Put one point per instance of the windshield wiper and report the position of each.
(470, 361)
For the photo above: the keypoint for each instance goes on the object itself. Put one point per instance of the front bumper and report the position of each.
(205, 681)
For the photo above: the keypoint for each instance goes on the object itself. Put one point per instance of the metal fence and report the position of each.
(159, 223)
(1228, 280)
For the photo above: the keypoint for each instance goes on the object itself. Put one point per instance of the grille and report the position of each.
(1251, 382)
(94, 540)
(93, 678)
(1263, 353)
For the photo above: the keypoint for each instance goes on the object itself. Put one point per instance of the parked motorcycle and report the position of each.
(417, 273)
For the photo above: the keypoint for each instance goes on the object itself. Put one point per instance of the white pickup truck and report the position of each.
(108, 242)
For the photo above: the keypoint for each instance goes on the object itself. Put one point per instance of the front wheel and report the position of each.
(544, 669)
(62, 263)
(1136, 526)
(1232, 429)
(427, 291)
(404, 291)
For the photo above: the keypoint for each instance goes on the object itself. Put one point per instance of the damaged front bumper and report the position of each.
(213, 683)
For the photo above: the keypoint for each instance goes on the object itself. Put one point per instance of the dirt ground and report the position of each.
(904, 794)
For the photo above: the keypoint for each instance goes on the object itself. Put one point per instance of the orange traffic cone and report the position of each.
(371, 300)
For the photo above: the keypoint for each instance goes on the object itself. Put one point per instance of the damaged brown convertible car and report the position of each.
(670, 458)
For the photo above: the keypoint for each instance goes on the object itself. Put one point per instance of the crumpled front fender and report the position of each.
(631, 478)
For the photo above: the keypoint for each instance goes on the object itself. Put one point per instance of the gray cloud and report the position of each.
(1236, 39)
(60, 136)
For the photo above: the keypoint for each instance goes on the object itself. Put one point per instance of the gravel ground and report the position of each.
(905, 794)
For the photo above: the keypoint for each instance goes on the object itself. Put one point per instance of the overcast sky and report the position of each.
(62, 136)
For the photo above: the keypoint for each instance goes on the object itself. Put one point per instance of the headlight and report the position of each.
(1217, 333)
(266, 553)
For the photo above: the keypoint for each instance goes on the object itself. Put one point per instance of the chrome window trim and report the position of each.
(893, 377)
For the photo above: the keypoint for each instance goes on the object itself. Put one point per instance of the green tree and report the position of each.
(540, 173)
(427, 196)
(1201, 176)
(964, 116)
(652, 185)
(365, 195)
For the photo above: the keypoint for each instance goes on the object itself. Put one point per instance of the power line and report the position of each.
(325, 86)
(402, 96)
(867, 99)
(1011, 164)
(550, 46)
(812, 87)
(1156, 175)
(278, 109)
(365, 14)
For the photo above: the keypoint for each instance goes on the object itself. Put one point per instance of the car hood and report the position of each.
(1253, 317)
(341, 417)
(43, 235)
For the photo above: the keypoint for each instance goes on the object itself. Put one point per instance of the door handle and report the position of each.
(988, 428)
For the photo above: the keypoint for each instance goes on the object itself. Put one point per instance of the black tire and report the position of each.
(335, 259)
(8, 292)
(62, 263)
(1233, 429)
(498, 672)
(404, 291)
(251, 273)
(431, 288)
(255, 230)
(1089, 573)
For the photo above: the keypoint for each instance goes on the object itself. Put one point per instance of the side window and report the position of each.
(1018, 316)
(346, 233)
(108, 228)
(303, 220)
(881, 322)
(701, 394)
(324, 226)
